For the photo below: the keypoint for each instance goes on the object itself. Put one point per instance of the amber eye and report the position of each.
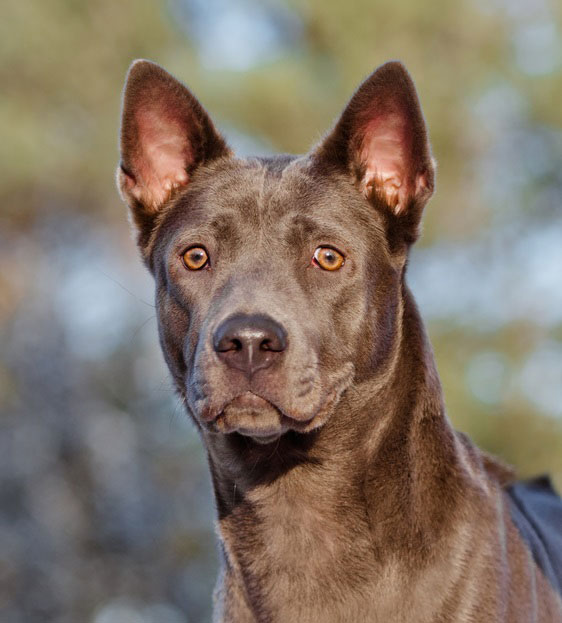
(328, 258)
(196, 258)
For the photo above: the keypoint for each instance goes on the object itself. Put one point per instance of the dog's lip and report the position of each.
(270, 432)
(250, 400)
(266, 439)
(265, 426)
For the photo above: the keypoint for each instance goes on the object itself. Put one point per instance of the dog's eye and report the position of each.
(195, 258)
(328, 258)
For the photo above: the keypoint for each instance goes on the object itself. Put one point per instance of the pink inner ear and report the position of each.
(163, 154)
(385, 152)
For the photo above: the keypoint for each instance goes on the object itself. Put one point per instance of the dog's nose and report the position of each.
(249, 342)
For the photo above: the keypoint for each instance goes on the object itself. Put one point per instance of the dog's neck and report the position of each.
(380, 477)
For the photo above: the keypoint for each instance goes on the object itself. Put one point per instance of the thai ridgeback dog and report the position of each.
(343, 493)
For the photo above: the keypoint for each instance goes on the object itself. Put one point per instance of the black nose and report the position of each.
(249, 342)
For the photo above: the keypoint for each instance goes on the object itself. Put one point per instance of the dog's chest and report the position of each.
(309, 567)
(302, 555)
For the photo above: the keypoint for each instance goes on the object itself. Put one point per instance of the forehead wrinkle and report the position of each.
(270, 217)
(276, 183)
(261, 204)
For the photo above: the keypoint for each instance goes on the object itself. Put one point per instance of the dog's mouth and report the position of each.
(252, 416)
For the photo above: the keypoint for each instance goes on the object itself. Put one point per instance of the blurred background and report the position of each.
(106, 510)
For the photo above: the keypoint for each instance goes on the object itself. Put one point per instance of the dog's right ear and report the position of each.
(165, 135)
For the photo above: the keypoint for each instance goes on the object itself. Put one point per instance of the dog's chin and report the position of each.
(252, 416)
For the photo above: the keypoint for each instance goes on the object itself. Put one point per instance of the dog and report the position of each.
(342, 492)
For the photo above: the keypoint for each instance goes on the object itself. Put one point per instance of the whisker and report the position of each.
(179, 403)
(139, 328)
(126, 290)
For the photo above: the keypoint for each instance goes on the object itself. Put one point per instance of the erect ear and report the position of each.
(381, 139)
(165, 135)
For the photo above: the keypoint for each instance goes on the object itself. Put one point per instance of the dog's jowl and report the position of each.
(342, 492)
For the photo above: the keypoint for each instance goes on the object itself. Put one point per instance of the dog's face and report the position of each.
(279, 280)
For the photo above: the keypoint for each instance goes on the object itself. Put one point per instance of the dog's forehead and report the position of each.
(281, 195)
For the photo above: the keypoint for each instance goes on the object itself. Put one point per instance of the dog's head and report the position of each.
(278, 280)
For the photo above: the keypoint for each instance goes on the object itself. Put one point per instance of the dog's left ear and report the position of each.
(381, 140)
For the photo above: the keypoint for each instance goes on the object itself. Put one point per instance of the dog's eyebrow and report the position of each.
(303, 228)
(224, 227)
(221, 227)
